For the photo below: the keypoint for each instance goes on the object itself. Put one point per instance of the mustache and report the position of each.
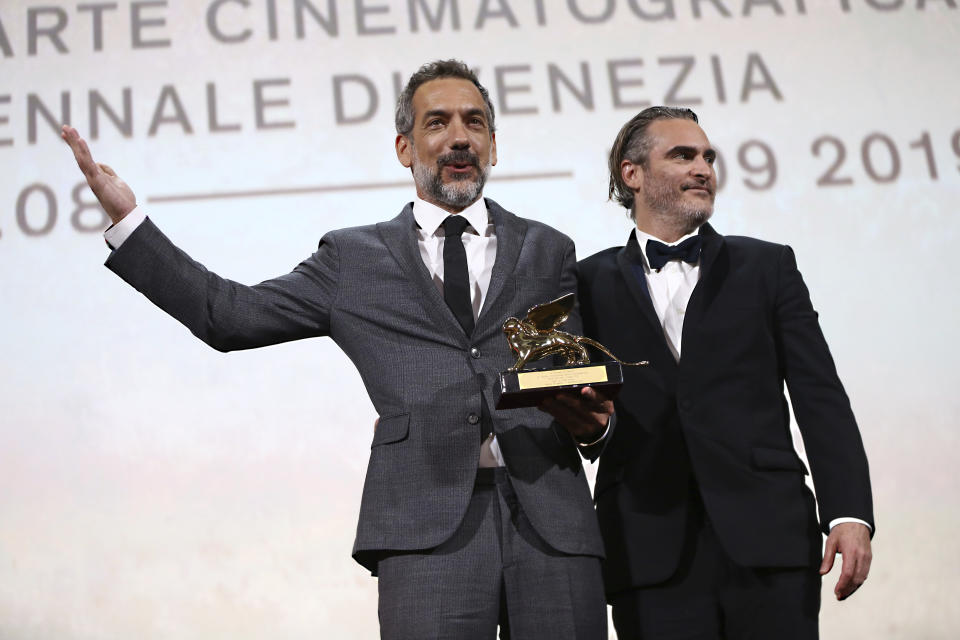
(698, 185)
(459, 156)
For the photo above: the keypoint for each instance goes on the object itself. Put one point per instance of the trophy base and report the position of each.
(528, 387)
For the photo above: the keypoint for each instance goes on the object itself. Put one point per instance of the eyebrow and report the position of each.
(474, 111)
(709, 151)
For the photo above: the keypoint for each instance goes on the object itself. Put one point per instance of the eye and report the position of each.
(433, 123)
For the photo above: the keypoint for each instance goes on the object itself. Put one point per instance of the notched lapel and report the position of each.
(399, 235)
(627, 259)
(511, 232)
(714, 266)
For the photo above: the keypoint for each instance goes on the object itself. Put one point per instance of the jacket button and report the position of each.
(473, 418)
(474, 352)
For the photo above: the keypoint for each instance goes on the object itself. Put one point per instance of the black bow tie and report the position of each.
(660, 254)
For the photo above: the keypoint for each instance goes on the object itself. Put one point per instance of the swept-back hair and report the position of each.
(634, 144)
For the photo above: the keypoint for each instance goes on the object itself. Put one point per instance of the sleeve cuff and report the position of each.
(837, 521)
(587, 445)
(118, 233)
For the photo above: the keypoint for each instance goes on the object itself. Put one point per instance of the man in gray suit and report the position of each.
(471, 517)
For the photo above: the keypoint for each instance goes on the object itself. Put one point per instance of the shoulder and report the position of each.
(348, 233)
(532, 228)
(370, 233)
(350, 238)
(745, 248)
(747, 243)
(599, 261)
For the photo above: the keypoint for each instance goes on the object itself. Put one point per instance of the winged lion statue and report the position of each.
(537, 336)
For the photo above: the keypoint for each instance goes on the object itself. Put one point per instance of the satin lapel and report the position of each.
(400, 237)
(511, 231)
(713, 269)
(627, 259)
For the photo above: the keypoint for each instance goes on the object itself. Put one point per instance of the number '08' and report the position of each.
(37, 211)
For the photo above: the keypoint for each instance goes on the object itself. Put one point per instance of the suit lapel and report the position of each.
(511, 231)
(713, 269)
(631, 268)
(399, 235)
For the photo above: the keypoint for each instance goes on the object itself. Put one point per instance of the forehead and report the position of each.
(447, 94)
(669, 133)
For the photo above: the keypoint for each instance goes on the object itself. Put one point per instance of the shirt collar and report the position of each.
(429, 216)
(643, 237)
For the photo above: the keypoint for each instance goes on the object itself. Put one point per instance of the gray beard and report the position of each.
(459, 194)
(680, 216)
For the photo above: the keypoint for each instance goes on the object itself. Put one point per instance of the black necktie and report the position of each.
(660, 254)
(456, 281)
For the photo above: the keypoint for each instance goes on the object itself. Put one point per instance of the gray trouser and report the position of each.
(495, 570)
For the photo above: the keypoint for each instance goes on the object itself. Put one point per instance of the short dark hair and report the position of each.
(633, 144)
(435, 70)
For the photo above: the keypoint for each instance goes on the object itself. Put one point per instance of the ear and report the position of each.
(632, 175)
(493, 149)
(404, 148)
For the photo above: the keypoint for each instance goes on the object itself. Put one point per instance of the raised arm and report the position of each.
(225, 314)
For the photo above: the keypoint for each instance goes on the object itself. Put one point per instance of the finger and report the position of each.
(846, 585)
(829, 555)
(81, 152)
(566, 400)
(107, 170)
(863, 568)
(551, 406)
(572, 417)
(849, 592)
(595, 402)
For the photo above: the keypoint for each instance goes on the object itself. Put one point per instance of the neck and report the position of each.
(443, 205)
(666, 228)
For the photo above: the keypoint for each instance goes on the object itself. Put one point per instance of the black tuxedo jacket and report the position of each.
(719, 418)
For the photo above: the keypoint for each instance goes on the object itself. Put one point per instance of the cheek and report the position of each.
(425, 155)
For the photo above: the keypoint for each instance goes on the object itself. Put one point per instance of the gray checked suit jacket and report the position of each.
(368, 289)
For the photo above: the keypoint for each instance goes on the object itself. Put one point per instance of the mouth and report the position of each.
(459, 164)
(698, 188)
(459, 167)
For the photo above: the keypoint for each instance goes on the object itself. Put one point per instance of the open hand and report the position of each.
(114, 195)
(852, 541)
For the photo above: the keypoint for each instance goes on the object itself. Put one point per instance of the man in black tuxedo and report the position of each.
(709, 527)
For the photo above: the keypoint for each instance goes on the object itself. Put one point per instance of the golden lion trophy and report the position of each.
(536, 337)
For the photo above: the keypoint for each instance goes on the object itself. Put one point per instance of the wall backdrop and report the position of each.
(152, 488)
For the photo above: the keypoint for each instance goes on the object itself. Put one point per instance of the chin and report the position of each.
(695, 217)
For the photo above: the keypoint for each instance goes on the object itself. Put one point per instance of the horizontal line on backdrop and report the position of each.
(362, 186)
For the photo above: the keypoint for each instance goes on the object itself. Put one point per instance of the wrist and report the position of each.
(590, 439)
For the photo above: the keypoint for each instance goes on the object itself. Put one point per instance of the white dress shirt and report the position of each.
(670, 289)
(480, 242)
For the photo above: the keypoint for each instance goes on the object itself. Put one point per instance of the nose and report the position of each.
(701, 168)
(458, 135)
